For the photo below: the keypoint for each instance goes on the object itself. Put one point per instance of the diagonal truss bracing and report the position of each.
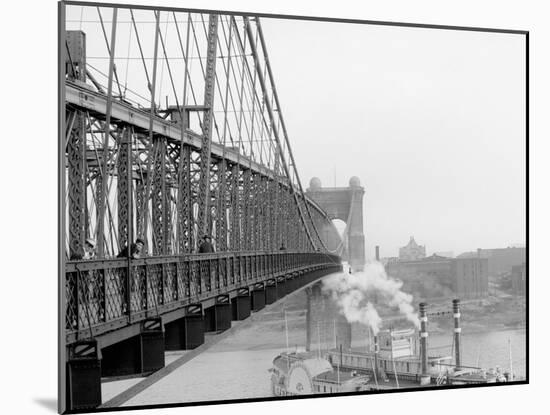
(176, 133)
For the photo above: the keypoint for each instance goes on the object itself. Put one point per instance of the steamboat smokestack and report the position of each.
(457, 330)
(377, 253)
(424, 376)
(376, 353)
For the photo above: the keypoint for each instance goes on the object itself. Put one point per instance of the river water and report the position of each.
(237, 367)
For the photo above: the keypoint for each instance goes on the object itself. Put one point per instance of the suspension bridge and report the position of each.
(171, 130)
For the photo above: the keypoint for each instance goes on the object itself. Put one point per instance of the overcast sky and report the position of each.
(431, 121)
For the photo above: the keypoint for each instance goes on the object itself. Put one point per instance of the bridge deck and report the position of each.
(108, 299)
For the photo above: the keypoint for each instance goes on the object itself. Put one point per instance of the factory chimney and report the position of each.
(424, 376)
(457, 330)
(377, 253)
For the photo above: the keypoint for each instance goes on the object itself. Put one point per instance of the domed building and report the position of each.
(315, 184)
(354, 182)
(412, 251)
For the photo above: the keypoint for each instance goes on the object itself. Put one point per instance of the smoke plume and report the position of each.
(350, 292)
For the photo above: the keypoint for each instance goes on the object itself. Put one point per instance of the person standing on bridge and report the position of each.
(135, 249)
(206, 245)
(89, 249)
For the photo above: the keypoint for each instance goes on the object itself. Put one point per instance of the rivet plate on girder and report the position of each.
(86, 100)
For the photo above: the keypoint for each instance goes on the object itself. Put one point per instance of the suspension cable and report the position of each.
(108, 48)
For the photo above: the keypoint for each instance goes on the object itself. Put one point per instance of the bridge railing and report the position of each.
(103, 295)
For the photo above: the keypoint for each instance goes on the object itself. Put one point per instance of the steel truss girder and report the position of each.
(221, 209)
(96, 103)
(272, 117)
(258, 213)
(76, 156)
(272, 214)
(246, 210)
(140, 217)
(124, 169)
(277, 219)
(264, 214)
(204, 184)
(160, 217)
(185, 202)
(254, 202)
(235, 208)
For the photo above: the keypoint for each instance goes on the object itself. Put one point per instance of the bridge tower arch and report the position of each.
(346, 204)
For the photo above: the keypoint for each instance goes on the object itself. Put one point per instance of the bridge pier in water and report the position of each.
(325, 325)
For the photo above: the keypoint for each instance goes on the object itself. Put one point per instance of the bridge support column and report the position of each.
(188, 332)
(152, 345)
(302, 278)
(270, 291)
(218, 317)
(241, 304)
(290, 283)
(174, 335)
(83, 376)
(141, 354)
(281, 290)
(258, 297)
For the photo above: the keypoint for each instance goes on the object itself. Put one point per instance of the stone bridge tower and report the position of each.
(346, 204)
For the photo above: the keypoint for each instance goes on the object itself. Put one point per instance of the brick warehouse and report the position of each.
(466, 277)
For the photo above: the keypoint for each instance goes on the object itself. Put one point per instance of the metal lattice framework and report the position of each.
(174, 130)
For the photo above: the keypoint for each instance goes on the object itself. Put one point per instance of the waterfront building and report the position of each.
(412, 251)
(470, 277)
(501, 260)
(465, 277)
(519, 279)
